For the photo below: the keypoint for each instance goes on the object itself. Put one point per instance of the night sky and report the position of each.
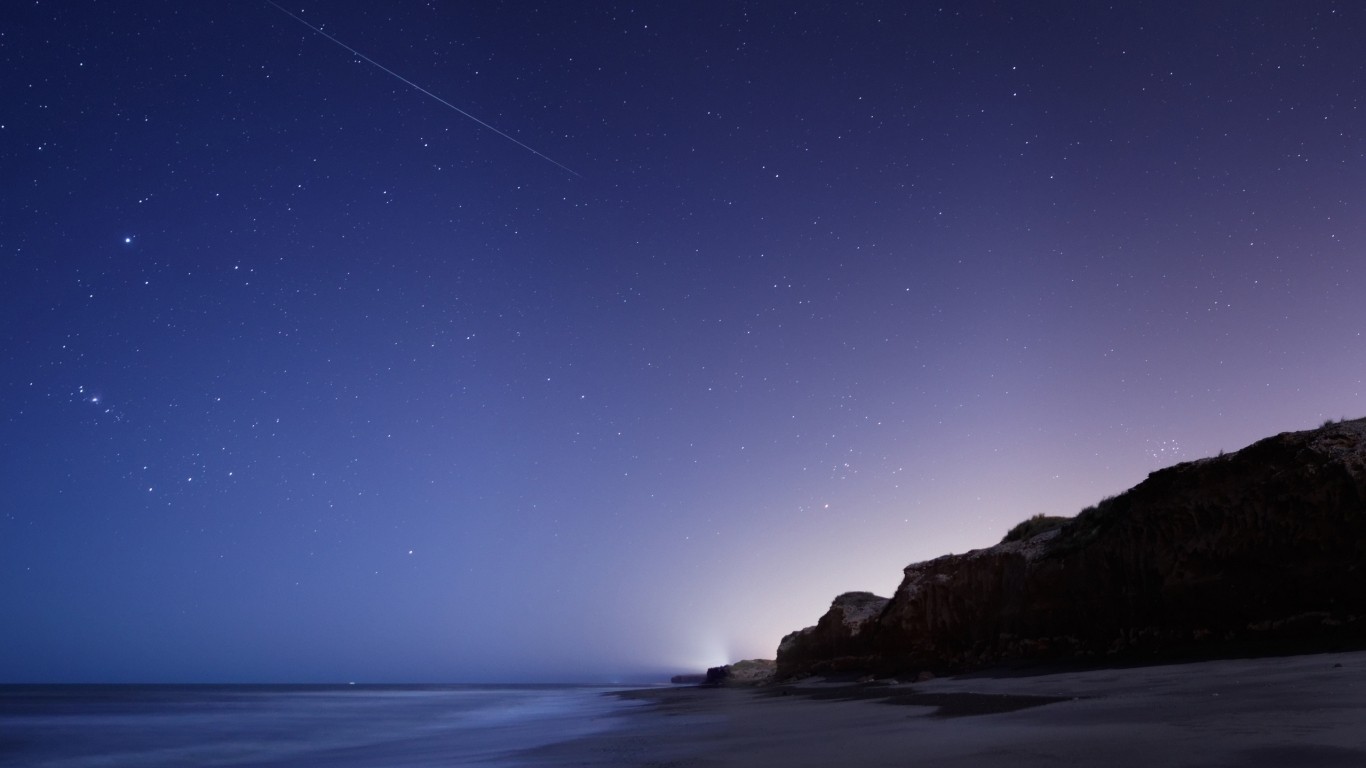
(308, 376)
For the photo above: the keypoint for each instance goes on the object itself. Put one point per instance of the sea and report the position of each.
(279, 726)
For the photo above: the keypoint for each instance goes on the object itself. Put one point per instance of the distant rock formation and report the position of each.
(1263, 549)
(749, 672)
(688, 679)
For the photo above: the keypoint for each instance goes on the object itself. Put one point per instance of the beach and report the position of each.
(1287, 711)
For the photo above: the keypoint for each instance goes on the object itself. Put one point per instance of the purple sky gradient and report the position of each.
(308, 377)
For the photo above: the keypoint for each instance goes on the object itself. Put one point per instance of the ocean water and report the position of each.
(352, 726)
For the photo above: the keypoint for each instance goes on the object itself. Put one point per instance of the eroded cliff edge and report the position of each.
(1262, 549)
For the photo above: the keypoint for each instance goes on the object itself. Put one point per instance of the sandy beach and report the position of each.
(1289, 711)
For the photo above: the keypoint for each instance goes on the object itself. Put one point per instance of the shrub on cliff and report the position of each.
(1028, 529)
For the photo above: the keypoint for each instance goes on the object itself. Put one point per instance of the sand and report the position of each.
(1289, 711)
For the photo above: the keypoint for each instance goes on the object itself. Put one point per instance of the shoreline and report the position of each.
(1292, 710)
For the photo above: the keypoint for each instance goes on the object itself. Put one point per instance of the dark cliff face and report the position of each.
(1263, 548)
(836, 641)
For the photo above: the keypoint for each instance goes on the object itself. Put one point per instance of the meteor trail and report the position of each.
(420, 89)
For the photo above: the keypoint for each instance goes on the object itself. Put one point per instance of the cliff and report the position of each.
(836, 642)
(1262, 549)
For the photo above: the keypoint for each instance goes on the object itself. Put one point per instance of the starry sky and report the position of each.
(501, 341)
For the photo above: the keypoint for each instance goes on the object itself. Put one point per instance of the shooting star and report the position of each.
(420, 89)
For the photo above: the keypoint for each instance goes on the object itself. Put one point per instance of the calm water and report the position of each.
(278, 726)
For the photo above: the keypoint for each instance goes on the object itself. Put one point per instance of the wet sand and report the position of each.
(1249, 713)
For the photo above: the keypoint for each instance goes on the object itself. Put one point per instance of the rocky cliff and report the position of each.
(741, 674)
(1262, 549)
(836, 642)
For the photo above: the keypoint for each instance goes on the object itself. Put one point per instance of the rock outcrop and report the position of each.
(1263, 549)
(742, 674)
(835, 642)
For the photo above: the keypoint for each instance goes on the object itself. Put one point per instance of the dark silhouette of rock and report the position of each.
(1262, 550)
(835, 644)
(688, 679)
(749, 672)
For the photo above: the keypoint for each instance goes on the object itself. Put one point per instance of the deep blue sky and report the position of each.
(306, 376)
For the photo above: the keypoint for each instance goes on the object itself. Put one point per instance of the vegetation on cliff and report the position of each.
(1031, 527)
